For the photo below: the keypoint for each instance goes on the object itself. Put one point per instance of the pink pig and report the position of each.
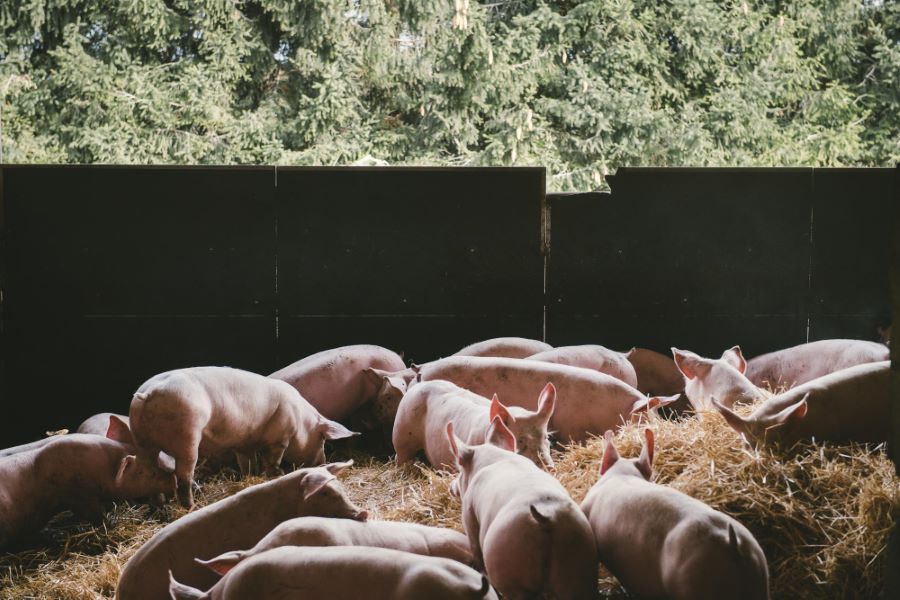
(506, 347)
(705, 378)
(339, 381)
(321, 531)
(77, 472)
(111, 425)
(99, 424)
(793, 366)
(232, 523)
(590, 356)
(524, 529)
(425, 411)
(661, 543)
(852, 404)
(203, 411)
(344, 573)
(587, 402)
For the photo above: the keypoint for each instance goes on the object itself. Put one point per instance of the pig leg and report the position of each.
(470, 524)
(244, 460)
(184, 474)
(272, 457)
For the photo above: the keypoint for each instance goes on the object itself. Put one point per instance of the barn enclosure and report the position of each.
(113, 274)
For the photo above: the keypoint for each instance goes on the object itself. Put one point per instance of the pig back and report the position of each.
(852, 404)
(334, 382)
(206, 533)
(590, 356)
(805, 362)
(344, 572)
(588, 402)
(505, 347)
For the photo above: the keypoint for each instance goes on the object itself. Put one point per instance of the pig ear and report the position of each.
(179, 591)
(499, 435)
(119, 431)
(610, 454)
(737, 422)
(336, 467)
(126, 462)
(376, 376)
(222, 564)
(332, 430)
(735, 358)
(689, 363)
(498, 410)
(461, 451)
(547, 401)
(313, 483)
(794, 411)
(645, 460)
(629, 353)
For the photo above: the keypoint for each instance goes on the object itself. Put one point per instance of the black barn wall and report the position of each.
(707, 258)
(113, 274)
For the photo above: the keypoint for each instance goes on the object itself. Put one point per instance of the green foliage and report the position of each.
(580, 87)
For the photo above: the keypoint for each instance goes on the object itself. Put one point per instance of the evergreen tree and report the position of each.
(581, 87)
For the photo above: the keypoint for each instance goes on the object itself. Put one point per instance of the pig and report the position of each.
(77, 472)
(803, 363)
(203, 411)
(723, 378)
(656, 373)
(425, 411)
(30, 445)
(111, 425)
(525, 531)
(852, 404)
(233, 523)
(319, 531)
(593, 357)
(505, 347)
(661, 543)
(340, 381)
(587, 402)
(96, 425)
(344, 573)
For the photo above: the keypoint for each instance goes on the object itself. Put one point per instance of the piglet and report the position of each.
(723, 378)
(425, 411)
(204, 411)
(661, 543)
(233, 523)
(852, 404)
(506, 347)
(587, 402)
(591, 356)
(77, 472)
(340, 381)
(344, 573)
(319, 531)
(524, 529)
(799, 364)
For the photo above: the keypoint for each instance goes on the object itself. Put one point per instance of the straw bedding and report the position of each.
(822, 513)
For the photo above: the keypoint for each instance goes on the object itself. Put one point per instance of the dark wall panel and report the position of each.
(419, 256)
(697, 258)
(114, 274)
(852, 234)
